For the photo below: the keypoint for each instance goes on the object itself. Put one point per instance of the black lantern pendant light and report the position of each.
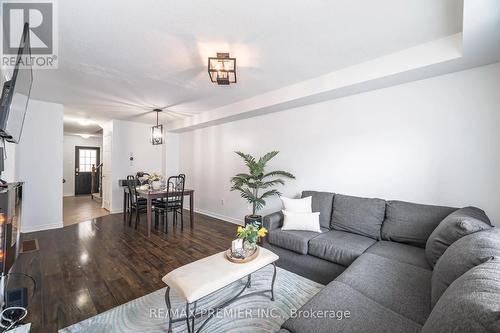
(222, 69)
(157, 131)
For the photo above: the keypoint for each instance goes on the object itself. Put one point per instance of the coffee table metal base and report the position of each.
(189, 319)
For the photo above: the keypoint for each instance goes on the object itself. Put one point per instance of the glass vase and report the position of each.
(249, 247)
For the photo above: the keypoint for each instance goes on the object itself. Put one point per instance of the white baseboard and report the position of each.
(204, 212)
(219, 216)
(49, 226)
(41, 227)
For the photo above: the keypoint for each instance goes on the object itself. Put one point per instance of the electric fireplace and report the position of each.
(11, 195)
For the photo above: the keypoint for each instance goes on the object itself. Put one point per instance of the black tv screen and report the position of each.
(16, 93)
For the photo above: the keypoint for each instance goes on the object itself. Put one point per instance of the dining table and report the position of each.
(150, 195)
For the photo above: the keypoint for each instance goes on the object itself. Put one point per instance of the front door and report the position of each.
(85, 159)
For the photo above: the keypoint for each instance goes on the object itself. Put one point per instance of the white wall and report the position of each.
(107, 146)
(9, 173)
(131, 138)
(171, 154)
(434, 141)
(69, 144)
(39, 163)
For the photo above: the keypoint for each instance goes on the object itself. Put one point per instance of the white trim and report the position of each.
(218, 216)
(204, 212)
(41, 227)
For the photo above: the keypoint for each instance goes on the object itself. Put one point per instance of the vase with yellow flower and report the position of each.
(250, 234)
(155, 180)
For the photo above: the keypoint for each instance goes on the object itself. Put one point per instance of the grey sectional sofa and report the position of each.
(393, 266)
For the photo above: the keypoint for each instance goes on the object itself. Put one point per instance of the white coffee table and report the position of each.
(208, 275)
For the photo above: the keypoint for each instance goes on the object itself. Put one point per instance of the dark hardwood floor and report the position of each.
(90, 267)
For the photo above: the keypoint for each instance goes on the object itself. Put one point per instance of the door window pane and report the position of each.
(87, 158)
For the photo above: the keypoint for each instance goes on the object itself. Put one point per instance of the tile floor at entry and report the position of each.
(81, 208)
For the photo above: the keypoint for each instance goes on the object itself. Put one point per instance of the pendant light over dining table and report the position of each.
(157, 131)
(222, 69)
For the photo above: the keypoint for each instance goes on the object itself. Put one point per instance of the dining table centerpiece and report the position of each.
(155, 180)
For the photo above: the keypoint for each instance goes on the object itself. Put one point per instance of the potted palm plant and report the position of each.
(257, 185)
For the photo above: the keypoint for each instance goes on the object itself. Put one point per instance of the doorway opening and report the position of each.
(83, 176)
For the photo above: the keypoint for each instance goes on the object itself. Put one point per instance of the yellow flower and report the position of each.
(240, 229)
(262, 232)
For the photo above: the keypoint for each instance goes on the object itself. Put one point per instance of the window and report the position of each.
(87, 158)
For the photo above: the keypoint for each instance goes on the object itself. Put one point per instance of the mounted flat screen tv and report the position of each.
(16, 93)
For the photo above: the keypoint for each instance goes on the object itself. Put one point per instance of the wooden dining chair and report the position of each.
(174, 201)
(127, 210)
(136, 204)
(141, 177)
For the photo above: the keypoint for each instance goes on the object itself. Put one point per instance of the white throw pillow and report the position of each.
(303, 205)
(301, 221)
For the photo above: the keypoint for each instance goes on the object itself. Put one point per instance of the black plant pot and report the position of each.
(255, 219)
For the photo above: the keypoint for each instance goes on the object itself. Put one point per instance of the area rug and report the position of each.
(251, 314)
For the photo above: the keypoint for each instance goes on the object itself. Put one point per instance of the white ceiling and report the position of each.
(75, 126)
(119, 59)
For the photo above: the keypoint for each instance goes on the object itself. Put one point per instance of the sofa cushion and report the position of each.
(361, 216)
(400, 252)
(364, 314)
(460, 223)
(310, 267)
(339, 246)
(466, 253)
(403, 288)
(411, 223)
(292, 240)
(322, 202)
(470, 304)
